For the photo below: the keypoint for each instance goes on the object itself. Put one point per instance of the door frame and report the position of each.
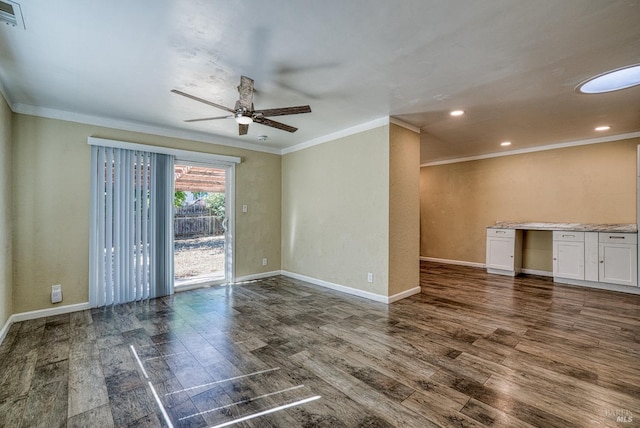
(229, 209)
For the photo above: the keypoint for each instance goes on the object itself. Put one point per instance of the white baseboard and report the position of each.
(353, 291)
(24, 316)
(453, 262)
(404, 294)
(337, 287)
(5, 330)
(600, 285)
(256, 276)
(482, 265)
(49, 312)
(41, 313)
(503, 272)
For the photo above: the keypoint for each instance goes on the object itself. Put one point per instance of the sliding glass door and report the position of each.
(202, 224)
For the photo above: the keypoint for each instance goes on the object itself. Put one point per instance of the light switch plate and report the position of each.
(56, 293)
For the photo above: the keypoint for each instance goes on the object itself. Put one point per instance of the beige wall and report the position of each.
(586, 184)
(51, 206)
(404, 209)
(335, 211)
(5, 214)
(537, 250)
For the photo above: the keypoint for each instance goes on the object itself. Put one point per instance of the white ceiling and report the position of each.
(512, 65)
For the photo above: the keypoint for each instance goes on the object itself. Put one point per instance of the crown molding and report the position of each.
(3, 92)
(576, 143)
(404, 125)
(376, 123)
(125, 125)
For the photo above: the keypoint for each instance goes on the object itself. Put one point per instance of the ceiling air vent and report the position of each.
(11, 14)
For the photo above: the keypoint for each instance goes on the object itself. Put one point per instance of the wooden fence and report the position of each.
(196, 221)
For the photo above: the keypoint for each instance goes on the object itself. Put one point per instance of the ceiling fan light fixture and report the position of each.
(611, 81)
(243, 120)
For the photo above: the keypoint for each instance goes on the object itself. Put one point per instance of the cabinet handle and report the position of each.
(601, 261)
(500, 231)
(568, 236)
(616, 237)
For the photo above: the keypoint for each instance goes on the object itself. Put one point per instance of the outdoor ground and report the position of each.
(198, 256)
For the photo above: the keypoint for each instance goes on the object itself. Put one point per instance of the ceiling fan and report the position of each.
(244, 113)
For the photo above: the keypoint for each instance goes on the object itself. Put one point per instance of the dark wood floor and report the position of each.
(471, 350)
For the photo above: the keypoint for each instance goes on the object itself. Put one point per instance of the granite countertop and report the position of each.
(575, 227)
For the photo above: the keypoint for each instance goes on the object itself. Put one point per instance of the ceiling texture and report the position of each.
(511, 65)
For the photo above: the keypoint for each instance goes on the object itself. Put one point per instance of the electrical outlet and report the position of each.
(264, 261)
(56, 293)
(245, 208)
(370, 277)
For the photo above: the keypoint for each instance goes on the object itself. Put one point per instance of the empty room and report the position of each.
(374, 213)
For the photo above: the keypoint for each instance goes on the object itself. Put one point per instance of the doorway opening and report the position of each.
(201, 225)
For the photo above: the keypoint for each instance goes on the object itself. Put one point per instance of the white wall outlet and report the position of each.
(245, 208)
(264, 261)
(370, 277)
(56, 293)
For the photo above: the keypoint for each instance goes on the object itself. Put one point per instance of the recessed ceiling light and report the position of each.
(505, 143)
(457, 112)
(613, 80)
(603, 128)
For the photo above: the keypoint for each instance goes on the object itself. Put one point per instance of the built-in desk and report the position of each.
(572, 227)
(593, 255)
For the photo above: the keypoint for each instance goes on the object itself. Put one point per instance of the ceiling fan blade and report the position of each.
(209, 118)
(243, 129)
(284, 111)
(274, 124)
(193, 97)
(246, 93)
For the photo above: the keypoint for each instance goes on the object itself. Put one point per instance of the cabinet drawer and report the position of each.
(618, 238)
(501, 233)
(559, 235)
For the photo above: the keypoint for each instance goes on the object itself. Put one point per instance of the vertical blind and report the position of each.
(131, 236)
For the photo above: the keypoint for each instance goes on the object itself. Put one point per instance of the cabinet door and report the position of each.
(568, 259)
(618, 264)
(500, 253)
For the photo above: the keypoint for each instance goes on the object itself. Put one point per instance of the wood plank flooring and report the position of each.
(471, 350)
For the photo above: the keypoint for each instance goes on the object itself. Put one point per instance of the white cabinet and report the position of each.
(606, 260)
(568, 255)
(591, 257)
(504, 251)
(595, 257)
(618, 258)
